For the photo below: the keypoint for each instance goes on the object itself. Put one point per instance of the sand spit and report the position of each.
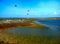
(5, 24)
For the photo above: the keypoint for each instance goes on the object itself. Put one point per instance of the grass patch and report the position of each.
(31, 39)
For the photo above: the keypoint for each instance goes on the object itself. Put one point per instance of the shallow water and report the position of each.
(54, 31)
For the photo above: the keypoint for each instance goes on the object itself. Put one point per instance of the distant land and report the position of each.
(50, 18)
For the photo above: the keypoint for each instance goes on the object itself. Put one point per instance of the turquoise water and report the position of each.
(55, 30)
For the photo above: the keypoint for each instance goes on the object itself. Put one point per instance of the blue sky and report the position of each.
(37, 8)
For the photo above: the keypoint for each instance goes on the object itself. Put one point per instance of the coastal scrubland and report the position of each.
(25, 39)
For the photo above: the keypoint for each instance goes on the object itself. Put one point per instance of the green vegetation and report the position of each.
(10, 38)
(31, 39)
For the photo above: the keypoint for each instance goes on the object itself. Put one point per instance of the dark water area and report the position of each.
(54, 31)
(50, 22)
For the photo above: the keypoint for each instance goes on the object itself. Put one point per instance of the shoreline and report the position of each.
(22, 25)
